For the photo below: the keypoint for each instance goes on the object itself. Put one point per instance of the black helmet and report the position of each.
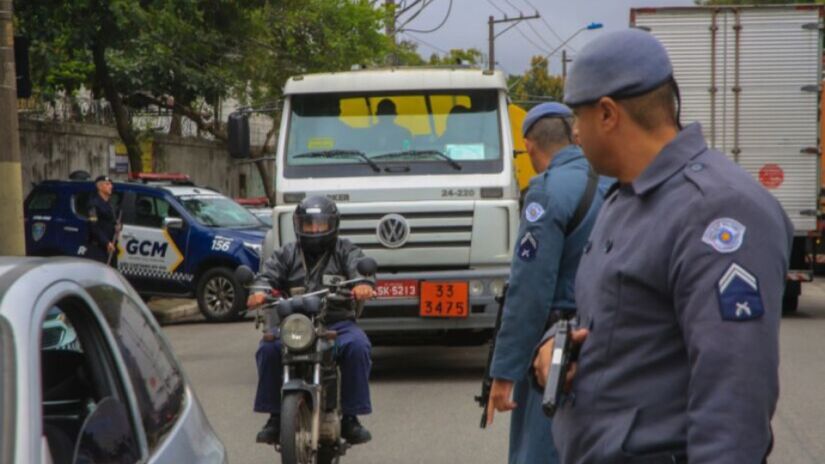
(316, 221)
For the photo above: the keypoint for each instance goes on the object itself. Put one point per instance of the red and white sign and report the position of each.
(396, 288)
(771, 176)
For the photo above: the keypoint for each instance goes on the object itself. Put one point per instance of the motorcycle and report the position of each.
(311, 394)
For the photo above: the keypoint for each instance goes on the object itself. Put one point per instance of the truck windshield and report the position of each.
(217, 211)
(403, 133)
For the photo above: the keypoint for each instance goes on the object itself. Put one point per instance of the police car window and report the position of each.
(80, 202)
(218, 211)
(150, 211)
(154, 373)
(42, 201)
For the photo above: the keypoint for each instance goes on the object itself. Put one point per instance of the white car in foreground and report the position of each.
(112, 392)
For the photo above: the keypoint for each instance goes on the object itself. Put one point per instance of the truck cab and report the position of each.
(420, 163)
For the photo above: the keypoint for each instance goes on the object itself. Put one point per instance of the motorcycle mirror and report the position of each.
(312, 305)
(244, 275)
(367, 267)
(285, 309)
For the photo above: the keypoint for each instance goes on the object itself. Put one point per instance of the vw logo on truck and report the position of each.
(393, 231)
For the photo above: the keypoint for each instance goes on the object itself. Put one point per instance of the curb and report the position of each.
(173, 310)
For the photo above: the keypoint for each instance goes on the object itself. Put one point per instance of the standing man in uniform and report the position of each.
(102, 224)
(679, 290)
(560, 207)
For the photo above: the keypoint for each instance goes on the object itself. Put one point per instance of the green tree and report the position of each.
(470, 56)
(536, 85)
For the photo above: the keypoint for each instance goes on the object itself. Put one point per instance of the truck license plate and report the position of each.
(445, 299)
(386, 289)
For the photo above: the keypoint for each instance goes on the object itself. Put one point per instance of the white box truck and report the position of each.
(751, 76)
(420, 162)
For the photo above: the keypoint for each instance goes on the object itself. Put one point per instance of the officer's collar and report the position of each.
(565, 155)
(672, 159)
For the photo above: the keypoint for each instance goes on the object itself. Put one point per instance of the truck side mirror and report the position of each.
(238, 131)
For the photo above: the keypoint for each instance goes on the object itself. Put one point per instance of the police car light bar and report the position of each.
(255, 201)
(159, 176)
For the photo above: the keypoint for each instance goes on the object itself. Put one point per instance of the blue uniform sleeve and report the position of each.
(727, 276)
(533, 278)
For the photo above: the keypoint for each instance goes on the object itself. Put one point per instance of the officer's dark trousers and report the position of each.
(353, 349)
(100, 255)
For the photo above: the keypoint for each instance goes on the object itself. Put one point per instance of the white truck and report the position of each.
(420, 162)
(751, 76)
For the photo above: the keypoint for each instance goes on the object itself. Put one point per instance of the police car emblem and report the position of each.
(533, 212)
(724, 235)
(528, 247)
(38, 231)
(739, 298)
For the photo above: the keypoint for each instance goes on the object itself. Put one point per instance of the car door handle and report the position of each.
(71, 229)
(129, 236)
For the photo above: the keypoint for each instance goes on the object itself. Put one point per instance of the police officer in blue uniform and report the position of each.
(560, 207)
(103, 225)
(679, 291)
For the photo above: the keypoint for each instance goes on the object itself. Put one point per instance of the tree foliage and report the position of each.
(536, 85)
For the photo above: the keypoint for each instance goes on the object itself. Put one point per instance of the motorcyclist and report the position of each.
(316, 260)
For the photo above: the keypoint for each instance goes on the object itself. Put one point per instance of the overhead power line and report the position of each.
(440, 25)
(424, 42)
(547, 24)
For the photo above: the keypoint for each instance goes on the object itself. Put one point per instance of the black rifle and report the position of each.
(563, 354)
(487, 382)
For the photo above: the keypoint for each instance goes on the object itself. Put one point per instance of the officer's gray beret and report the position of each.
(619, 64)
(544, 110)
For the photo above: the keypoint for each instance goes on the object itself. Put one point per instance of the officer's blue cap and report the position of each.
(102, 179)
(620, 64)
(544, 110)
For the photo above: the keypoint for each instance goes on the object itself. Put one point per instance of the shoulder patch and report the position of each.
(739, 298)
(533, 212)
(724, 235)
(528, 247)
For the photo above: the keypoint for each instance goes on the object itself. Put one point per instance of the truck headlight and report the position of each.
(497, 287)
(297, 332)
(476, 288)
(253, 247)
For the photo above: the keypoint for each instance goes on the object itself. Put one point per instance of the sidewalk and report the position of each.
(168, 310)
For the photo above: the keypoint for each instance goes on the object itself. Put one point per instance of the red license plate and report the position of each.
(396, 288)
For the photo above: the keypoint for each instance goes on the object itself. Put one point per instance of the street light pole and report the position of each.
(12, 240)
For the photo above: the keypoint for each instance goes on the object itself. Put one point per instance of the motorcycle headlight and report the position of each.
(297, 332)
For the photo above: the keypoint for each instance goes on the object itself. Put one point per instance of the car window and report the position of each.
(155, 376)
(42, 201)
(80, 203)
(59, 332)
(150, 211)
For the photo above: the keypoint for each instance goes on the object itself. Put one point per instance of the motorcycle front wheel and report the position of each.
(296, 430)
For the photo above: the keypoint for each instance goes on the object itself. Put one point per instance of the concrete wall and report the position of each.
(51, 150)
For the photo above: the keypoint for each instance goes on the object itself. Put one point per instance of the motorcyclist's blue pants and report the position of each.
(353, 355)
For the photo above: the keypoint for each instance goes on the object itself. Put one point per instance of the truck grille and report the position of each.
(413, 230)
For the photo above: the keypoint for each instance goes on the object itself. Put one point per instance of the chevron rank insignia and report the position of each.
(528, 247)
(739, 298)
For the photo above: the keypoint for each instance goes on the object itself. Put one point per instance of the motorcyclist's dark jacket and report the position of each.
(290, 272)
(102, 222)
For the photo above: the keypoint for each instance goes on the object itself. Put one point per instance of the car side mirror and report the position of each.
(367, 267)
(107, 435)
(172, 223)
(244, 275)
(238, 135)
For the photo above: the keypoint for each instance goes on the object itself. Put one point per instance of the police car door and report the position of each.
(150, 254)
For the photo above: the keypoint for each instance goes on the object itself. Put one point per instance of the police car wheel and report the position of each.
(220, 297)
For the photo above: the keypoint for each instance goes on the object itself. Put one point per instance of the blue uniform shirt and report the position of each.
(681, 288)
(544, 260)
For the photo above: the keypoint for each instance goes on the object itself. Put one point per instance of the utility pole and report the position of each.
(12, 240)
(564, 61)
(389, 29)
(491, 23)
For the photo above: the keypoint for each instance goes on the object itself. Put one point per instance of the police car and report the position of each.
(177, 239)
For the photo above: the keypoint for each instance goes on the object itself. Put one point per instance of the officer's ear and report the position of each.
(607, 114)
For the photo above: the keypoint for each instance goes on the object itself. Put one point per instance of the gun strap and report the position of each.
(585, 203)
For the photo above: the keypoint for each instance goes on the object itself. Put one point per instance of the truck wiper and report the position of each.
(414, 153)
(351, 154)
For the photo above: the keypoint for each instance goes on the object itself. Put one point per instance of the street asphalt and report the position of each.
(423, 396)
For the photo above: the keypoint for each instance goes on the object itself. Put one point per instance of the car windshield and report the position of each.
(406, 133)
(218, 211)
